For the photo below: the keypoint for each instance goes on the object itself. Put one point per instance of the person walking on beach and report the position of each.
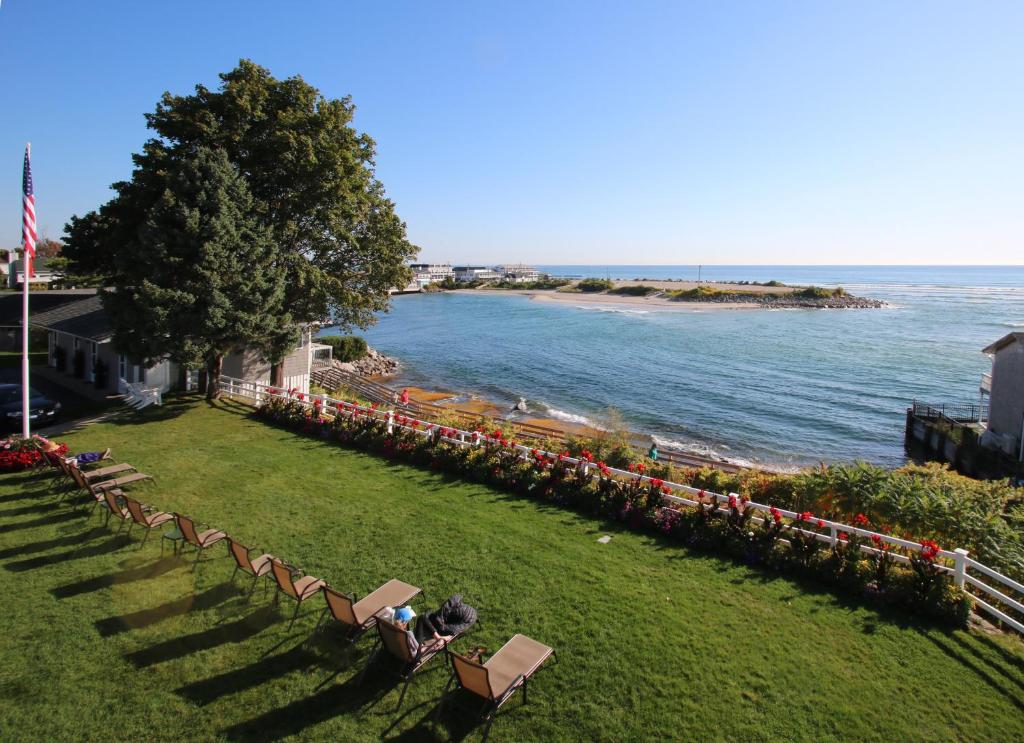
(404, 397)
(652, 453)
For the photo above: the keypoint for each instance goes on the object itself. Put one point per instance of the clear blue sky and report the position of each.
(586, 132)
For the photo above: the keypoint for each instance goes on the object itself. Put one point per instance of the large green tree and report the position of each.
(199, 278)
(311, 176)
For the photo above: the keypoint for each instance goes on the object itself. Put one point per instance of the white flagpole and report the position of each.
(24, 335)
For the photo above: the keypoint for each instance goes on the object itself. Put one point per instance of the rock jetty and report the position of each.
(374, 364)
(784, 301)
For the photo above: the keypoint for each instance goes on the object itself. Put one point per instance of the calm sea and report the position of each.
(786, 387)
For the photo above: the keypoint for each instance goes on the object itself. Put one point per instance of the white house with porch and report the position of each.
(80, 344)
(1004, 387)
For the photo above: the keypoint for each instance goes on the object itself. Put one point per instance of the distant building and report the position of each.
(475, 273)
(432, 273)
(1004, 387)
(518, 273)
(14, 273)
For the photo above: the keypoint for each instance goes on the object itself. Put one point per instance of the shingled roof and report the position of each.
(38, 302)
(85, 318)
(1004, 341)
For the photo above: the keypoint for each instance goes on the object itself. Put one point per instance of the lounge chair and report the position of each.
(496, 680)
(393, 641)
(148, 521)
(113, 499)
(201, 540)
(360, 616)
(292, 583)
(257, 567)
(96, 489)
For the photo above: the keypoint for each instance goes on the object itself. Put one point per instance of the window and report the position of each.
(90, 373)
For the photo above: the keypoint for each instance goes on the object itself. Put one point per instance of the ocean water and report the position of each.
(783, 387)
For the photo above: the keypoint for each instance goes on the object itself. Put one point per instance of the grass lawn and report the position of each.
(103, 641)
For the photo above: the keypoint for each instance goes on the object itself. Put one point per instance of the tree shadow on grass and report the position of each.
(255, 674)
(51, 520)
(946, 645)
(294, 718)
(172, 407)
(1014, 679)
(48, 544)
(113, 544)
(34, 508)
(143, 572)
(179, 607)
(234, 632)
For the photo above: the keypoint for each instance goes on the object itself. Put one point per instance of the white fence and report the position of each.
(998, 590)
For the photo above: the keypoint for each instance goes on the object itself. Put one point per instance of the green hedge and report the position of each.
(594, 285)
(922, 588)
(346, 347)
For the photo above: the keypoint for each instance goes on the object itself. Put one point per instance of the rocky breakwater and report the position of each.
(844, 302)
(374, 364)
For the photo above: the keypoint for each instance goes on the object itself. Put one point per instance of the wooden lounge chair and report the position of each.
(359, 616)
(114, 501)
(96, 487)
(392, 640)
(291, 582)
(201, 540)
(257, 567)
(496, 680)
(148, 521)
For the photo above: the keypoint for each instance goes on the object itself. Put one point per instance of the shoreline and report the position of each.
(773, 300)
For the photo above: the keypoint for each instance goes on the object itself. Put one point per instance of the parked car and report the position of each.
(40, 408)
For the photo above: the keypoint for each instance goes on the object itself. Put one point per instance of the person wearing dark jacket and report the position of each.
(452, 618)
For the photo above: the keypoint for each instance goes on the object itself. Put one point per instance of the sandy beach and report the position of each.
(616, 300)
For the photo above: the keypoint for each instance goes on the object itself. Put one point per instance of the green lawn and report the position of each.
(103, 641)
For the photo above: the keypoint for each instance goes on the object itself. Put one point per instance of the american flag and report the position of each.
(28, 226)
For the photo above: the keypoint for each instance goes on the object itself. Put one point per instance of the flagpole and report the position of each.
(24, 330)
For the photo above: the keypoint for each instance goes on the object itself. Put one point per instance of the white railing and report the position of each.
(958, 560)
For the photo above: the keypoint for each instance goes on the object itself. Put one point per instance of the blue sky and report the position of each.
(563, 132)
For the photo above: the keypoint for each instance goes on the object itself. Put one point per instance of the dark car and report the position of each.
(40, 408)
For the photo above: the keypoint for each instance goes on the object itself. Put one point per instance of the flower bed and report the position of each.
(587, 485)
(17, 454)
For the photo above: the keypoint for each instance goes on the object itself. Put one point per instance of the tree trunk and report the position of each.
(277, 374)
(213, 369)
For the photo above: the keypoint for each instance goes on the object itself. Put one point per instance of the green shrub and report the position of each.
(635, 290)
(819, 292)
(594, 285)
(699, 292)
(346, 347)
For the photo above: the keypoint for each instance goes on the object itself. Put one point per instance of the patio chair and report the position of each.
(201, 540)
(496, 680)
(292, 583)
(257, 567)
(148, 521)
(360, 616)
(96, 489)
(114, 501)
(393, 641)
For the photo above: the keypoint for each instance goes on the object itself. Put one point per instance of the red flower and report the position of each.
(876, 539)
(860, 520)
(666, 490)
(732, 501)
(656, 483)
(843, 536)
(929, 550)
(640, 467)
(776, 514)
(632, 468)
(821, 524)
(300, 396)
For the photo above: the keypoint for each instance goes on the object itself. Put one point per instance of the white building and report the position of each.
(1005, 390)
(518, 273)
(433, 272)
(475, 273)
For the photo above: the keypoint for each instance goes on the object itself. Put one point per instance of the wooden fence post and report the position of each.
(960, 566)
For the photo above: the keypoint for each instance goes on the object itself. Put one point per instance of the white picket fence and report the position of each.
(988, 596)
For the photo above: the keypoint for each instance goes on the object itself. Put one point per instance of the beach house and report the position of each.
(517, 273)
(80, 344)
(1004, 387)
(433, 273)
(475, 273)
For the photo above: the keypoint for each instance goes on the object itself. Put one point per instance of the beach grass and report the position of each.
(102, 640)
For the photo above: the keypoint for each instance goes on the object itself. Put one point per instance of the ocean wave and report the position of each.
(707, 452)
(565, 417)
(615, 310)
(1013, 324)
